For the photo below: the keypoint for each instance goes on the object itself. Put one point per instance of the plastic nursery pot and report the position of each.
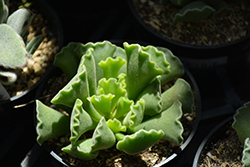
(219, 133)
(55, 30)
(196, 57)
(177, 152)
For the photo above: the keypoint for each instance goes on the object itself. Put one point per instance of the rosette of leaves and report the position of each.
(242, 127)
(115, 94)
(198, 10)
(14, 49)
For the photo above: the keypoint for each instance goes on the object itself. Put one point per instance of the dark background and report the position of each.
(223, 88)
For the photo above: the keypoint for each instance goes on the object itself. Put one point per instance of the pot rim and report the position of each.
(187, 76)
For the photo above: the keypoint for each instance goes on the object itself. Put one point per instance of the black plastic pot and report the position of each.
(194, 56)
(188, 77)
(8, 113)
(214, 135)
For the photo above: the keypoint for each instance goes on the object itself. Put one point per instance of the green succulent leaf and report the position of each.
(176, 67)
(4, 11)
(152, 98)
(241, 122)
(80, 122)
(81, 150)
(103, 137)
(111, 67)
(76, 88)
(158, 57)
(20, 21)
(103, 104)
(168, 121)
(246, 154)
(69, 58)
(88, 61)
(116, 126)
(112, 86)
(123, 107)
(50, 123)
(140, 70)
(194, 12)
(139, 141)
(136, 115)
(32, 46)
(13, 53)
(181, 91)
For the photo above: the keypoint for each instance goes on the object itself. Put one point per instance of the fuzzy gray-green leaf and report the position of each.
(12, 49)
(20, 21)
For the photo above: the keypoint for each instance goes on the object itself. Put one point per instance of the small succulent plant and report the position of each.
(242, 127)
(115, 94)
(198, 10)
(14, 49)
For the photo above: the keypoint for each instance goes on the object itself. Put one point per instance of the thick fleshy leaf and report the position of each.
(102, 50)
(111, 67)
(176, 67)
(32, 46)
(88, 61)
(158, 57)
(241, 122)
(181, 91)
(246, 154)
(152, 98)
(139, 141)
(4, 11)
(81, 150)
(123, 107)
(80, 122)
(69, 58)
(76, 88)
(194, 12)
(168, 121)
(13, 53)
(112, 86)
(116, 126)
(103, 104)
(103, 138)
(50, 123)
(140, 70)
(20, 21)
(136, 115)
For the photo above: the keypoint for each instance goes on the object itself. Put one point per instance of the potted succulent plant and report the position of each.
(228, 144)
(28, 45)
(196, 30)
(114, 100)
(31, 35)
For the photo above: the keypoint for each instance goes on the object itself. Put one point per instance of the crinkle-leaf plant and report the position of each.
(14, 50)
(198, 10)
(115, 93)
(242, 126)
